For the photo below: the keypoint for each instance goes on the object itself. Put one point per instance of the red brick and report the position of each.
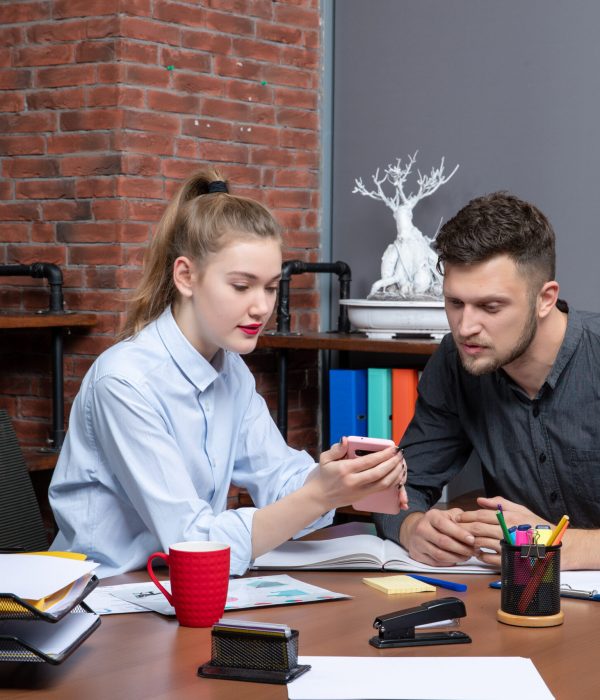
(296, 178)
(136, 7)
(95, 255)
(132, 97)
(187, 148)
(288, 199)
(149, 121)
(136, 52)
(298, 16)
(300, 58)
(307, 159)
(90, 165)
(95, 51)
(66, 210)
(278, 33)
(232, 153)
(25, 255)
(5, 58)
(133, 232)
(291, 138)
(50, 55)
(181, 59)
(103, 96)
(14, 79)
(243, 69)
(148, 30)
(147, 75)
(66, 75)
(241, 174)
(301, 240)
(145, 188)
(257, 50)
(45, 189)
(21, 145)
(102, 27)
(14, 233)
(256, 134)
(127, 278)
(134, 255)
(12, 103)
(299, 118)
(198, 84)
(111, 73)
(161, 144)
(248, 91)
(93, 120)
(113, 209)
(137, 164)
(56, 31)
(30, 122)
(11, 36)
(87, 232)
(312, 39)
(63, 9)
(170, 102)
(177, 169)
(75, 143)
(30, 167)
(287, 76)
(229, 24)
(270, 156)
(111, 300)
(304, 99)
(95, 187)
(206, 41)
(180, 14)
(145, 210)
(209, 129)
(43, 232)
(66, 98)
(23, 12)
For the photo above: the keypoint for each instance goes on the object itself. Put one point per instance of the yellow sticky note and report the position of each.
(399, 584)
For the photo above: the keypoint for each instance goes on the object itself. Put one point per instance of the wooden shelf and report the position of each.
(352, 342)
(45, 319)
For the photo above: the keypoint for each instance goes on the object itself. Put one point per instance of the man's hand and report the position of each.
(483, 525)
(436, 538)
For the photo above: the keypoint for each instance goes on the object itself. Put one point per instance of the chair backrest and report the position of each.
(21, 522)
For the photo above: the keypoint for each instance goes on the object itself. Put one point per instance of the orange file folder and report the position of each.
(404, 397)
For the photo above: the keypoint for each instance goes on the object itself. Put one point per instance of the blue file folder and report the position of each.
(347, 403)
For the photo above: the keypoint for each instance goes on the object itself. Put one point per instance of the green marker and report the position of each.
(505, 532)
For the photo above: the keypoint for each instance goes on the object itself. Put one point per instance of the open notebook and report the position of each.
(355, 552)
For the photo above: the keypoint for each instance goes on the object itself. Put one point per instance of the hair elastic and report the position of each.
(217, 186)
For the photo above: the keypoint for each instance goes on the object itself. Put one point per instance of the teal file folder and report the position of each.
(379, 403)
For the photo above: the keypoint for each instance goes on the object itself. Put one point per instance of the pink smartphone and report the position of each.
(383, 501)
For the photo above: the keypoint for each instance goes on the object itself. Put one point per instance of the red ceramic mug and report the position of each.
(199, 574)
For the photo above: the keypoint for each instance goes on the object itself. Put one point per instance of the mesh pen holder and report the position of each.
(530, 593)
(253, 656)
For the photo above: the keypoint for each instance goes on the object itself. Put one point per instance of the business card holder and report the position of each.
(257, 656)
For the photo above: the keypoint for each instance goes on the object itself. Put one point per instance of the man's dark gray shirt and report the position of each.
(543, 453)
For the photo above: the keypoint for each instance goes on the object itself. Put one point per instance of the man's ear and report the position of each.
(183, 275)
(547, 298)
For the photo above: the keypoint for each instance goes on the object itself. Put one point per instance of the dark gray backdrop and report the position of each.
(510, 90)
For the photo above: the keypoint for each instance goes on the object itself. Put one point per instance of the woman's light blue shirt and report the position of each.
(157, 434)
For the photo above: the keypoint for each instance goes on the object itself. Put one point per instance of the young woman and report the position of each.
(168, 418)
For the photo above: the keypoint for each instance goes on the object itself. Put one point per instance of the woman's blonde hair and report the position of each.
(195, 223)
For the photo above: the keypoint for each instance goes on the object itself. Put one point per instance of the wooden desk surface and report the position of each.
(148, 656)
(354, 342)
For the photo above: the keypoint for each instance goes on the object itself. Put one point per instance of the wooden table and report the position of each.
(151, 657)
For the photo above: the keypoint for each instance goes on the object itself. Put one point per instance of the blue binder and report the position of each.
(347, 403)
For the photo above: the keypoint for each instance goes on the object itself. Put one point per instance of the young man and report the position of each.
(518, 382)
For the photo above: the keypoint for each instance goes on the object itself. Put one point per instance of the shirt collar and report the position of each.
(570, 342)
(200, 372)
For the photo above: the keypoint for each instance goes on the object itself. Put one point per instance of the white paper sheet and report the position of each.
(33, 577)
(418, 678)
(49, 638)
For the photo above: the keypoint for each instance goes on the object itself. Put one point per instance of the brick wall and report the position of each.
(105, 105)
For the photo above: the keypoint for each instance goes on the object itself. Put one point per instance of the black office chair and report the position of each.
(21, 524)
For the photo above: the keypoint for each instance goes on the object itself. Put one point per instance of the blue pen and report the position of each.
(441, 583)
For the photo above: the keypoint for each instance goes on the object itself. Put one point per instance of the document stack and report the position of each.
(42, 613)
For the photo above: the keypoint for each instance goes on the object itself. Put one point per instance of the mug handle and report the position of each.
(165, 558)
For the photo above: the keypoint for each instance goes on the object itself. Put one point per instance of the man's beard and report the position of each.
(472, 366)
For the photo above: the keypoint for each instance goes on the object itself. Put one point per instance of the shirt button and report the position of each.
(554, 496)
(542, 458)
(536, 410)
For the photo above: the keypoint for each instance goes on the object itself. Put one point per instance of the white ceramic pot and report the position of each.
(385, 319)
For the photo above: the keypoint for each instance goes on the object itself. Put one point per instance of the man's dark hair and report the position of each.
(496, 224)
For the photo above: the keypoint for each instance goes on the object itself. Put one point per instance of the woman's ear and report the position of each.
(183, 275)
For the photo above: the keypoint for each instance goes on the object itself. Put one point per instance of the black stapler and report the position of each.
(397, 629)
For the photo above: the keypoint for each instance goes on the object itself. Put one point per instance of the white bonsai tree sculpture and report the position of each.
(408, 265)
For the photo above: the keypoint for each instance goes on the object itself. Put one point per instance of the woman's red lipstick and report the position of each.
(251, 329)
